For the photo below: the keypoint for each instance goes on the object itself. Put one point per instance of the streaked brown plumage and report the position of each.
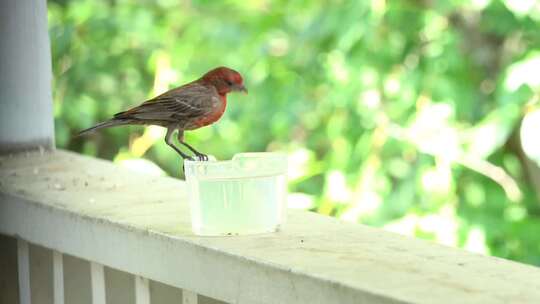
(189, 107)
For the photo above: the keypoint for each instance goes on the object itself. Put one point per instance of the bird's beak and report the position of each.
(241, 88)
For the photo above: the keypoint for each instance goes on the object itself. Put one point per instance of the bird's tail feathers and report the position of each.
(102, 125)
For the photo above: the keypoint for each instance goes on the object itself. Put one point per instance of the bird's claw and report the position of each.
(199, 156)
(202, 157)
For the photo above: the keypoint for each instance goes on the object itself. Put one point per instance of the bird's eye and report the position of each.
(229, 82)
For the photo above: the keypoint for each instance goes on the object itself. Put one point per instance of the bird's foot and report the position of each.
(201, 157)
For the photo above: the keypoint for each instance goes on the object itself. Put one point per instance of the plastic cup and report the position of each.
(245, 195)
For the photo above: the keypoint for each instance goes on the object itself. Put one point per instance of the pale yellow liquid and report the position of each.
(237, 206)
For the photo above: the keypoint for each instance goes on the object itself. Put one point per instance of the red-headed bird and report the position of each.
(188, 107)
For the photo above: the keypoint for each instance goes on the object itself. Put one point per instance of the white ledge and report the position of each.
(95, 210)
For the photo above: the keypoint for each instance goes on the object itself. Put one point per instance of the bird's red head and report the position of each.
(225, 80)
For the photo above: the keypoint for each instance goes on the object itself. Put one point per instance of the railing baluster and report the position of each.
(97, 275)
(142, 290)
(189, 297)
(23, 263)
(58, 277)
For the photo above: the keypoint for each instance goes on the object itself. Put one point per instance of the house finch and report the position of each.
(189, 107)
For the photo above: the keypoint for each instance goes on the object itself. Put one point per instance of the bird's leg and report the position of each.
(168, 142)
(200, 156)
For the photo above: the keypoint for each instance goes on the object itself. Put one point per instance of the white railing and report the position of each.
(97, 285)
(123, 222)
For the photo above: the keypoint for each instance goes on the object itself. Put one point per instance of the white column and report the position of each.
(189, 297)
(58, 278)
(142, 290)
(97, 275)
(26, 116)
(23, 262)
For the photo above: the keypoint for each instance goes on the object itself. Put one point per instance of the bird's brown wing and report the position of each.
(176, 106)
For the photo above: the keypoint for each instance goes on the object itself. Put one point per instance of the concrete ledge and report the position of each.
(96, 211)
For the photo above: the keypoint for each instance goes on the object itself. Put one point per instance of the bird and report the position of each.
(191, 106)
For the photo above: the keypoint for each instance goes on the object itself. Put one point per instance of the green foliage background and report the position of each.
(416, 116)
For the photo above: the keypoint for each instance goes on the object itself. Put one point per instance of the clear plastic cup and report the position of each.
(245, 195)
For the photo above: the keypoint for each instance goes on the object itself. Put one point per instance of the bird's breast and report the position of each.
(217, 110)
